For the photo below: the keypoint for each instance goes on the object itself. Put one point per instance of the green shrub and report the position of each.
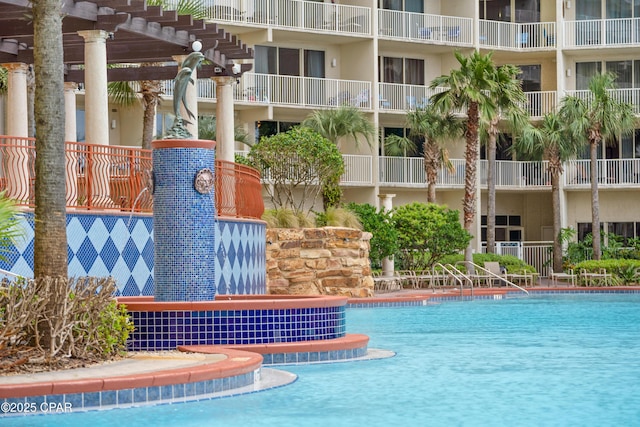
(513, 264)
(384, 240)
(426, 233)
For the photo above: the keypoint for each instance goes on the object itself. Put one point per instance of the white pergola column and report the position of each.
(17, 160)
(17, 111)
(96, 105)
(191, 98)
(388, 265)
(225, 140)
(96, 99)
(70, 135)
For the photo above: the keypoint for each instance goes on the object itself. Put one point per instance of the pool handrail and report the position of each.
(494, 275)
(455, 273)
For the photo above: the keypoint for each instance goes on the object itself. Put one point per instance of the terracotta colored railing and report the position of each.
(238, 190)
(111, 178)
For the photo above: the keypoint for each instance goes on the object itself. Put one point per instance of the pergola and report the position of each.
(101, 32)
(137, 33)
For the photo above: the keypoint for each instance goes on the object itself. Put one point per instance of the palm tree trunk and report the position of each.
(555, 203)
(471, 163)
(431, 171)
(491, 188)
(595, 203)
(50, 239)
(150, 94)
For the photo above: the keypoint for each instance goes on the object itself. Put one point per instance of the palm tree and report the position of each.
(551, 141)
(207, 126)
(469, 89)
(509, 99)
(334, 124)
(438, 130)
(50, 237)
(124, 93)
(601, 118)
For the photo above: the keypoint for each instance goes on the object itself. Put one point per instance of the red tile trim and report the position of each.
(238, 302)
(348, 342)
(183, 143)
(237, 363)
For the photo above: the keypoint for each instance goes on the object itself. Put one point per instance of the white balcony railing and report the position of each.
(508, 35)
(293, 14)
(602, 32)
(541, 103)
(289, 90)
(517, 174)
(611, 172)
(358, 170)
(302, 91)
(450, 30)
(401, 97)
(409, 171)
(627, 95)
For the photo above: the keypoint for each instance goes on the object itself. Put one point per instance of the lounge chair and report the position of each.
(494, 270)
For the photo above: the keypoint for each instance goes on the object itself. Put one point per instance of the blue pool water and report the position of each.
(569, 360)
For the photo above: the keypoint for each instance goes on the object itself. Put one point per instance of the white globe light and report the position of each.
(196, 46)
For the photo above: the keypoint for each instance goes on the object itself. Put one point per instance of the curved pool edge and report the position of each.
(427, 297)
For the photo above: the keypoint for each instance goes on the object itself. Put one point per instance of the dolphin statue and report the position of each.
(182, 80)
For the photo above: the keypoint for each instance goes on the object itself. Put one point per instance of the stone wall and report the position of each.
(318, 261)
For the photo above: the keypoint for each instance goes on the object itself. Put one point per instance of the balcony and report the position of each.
(293, 15)
(612, 173)
(409, 172)
(541, 103)
(520, 37)
(425, 28)
(270, 89)
(627, 95)
(602, 32)
(395, 97)
(358, 170)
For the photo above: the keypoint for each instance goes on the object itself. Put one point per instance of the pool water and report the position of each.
(568, 360)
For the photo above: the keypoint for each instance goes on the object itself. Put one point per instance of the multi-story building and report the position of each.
(381, 57)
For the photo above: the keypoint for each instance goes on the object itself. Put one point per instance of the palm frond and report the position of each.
(122, 93)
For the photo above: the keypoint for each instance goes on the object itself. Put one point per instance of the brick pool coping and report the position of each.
(236, 362)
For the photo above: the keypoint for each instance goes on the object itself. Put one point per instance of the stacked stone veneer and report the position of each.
(317, 261)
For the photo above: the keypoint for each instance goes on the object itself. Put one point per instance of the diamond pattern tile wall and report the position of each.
(122, 246)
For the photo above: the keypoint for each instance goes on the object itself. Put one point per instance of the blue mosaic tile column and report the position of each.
(184, 220)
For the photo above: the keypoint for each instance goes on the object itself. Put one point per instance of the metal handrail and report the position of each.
(492, 274)
(447, 268)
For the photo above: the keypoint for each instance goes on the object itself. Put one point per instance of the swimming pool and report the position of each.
(561, 360)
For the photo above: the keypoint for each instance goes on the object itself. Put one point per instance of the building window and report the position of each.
(388, 150)
(270, 128)
(287, 62)
(402, 70)
(416, 6)
(508, 228)
(501, 10)
(626, 230)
